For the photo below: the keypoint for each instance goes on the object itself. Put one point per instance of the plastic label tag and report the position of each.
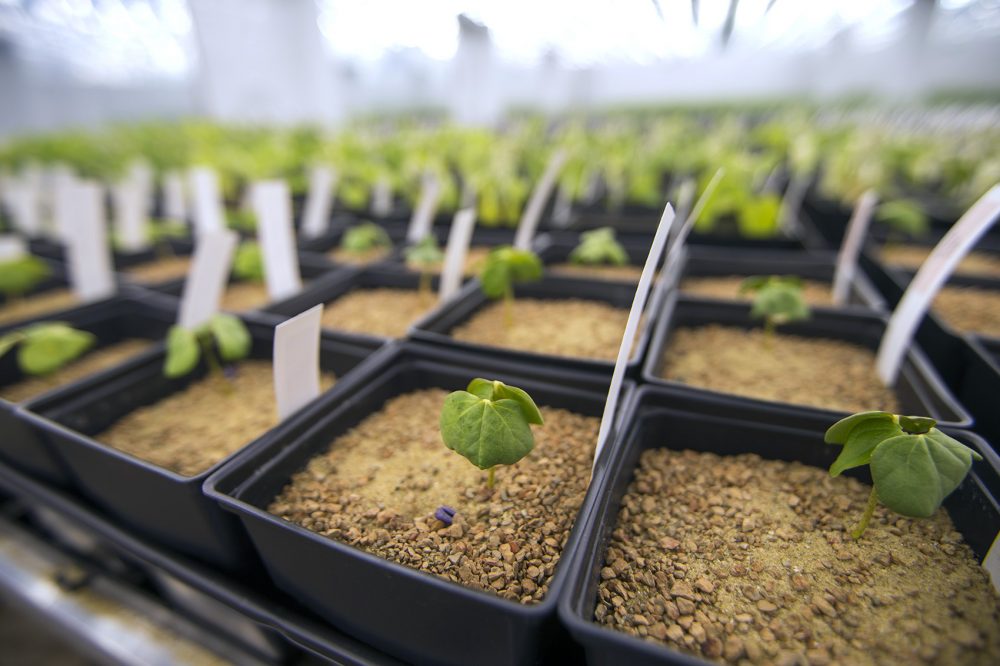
(930, 278)
(847, 258)
(22, 200)
(791, 203)
(634, 317)
(423, 216)
(88, 253)
(130, 216)
(208, 213)
(174, 201)
(382, 197)
(454, 255)
(63, 218)
(213, 255)
(277, 239)
(141, 173)
(296, 361)
(316, 214)
(992, 562)
(536, 204)
(12, 247)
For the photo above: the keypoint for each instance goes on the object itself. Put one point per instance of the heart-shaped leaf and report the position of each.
(183, 352)
(48, 347)
(860, 434)
(496, 390)
(231, 337)
(486, 432)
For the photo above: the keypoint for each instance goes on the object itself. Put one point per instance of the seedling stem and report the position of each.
(867, 517)
(490, 477)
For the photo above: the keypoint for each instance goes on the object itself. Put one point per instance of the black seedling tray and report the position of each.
(412, 615)
(919, 388)
(436, 328)
(111, 321)
(979, 389)
(659, 419)
(258, 603)
(156, 502)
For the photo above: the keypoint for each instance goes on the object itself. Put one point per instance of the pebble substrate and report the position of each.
(912, 257)
(35, 305)
(161, 269)
(625, 273)
(383, 311)
(727, 287)
(970, 309)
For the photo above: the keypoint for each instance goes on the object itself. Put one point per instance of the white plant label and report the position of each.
(454, 256)
(213, 256)
(63, 217)
(141, 173)
(631, 326)
(536, 204)
(174, 198)
(88, 253)
(423, 216)
(992, 563)
(847, 258)
(562, 210)
(12, 247)
(382, 197)
(319, 200)
(296, 361)
(23, 201)
(273, 207)
(925, 285)
(208, 213)
(791, 203)
(130, 215)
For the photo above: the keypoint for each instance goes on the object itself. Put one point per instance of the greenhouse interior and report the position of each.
(480, 332)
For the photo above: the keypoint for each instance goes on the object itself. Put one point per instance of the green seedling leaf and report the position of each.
(777, 299)
(497, 390)
(425, 254)
(486, 432)
(48, 347)
(759, 217)
(365, 237)
(241, 220)
(859, 435)
(905, 216)
(21, 275)
(505, 266)
(159, 231)
(599, 247)
(248, 264)
(231, 337)
(183, 352)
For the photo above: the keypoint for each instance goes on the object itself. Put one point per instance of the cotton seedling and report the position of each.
(223, 334)
(504, 267)
(599, 247)
(425, 256)
(46, 347)
(777, 300)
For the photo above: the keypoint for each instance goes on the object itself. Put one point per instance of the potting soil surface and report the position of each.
(243, 296)
(744, 560)
(970, 309)
(160, 270)
(191, 430)
(37, 305)
(620, 273)
(728, 287)
(88, 364)
(385, 312)
(913, 256)
(564, 327)
(359, 258)
(378, 486)
(474, 259)
(830, 374)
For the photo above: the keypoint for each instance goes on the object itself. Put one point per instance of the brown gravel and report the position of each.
(474, 259)
(742, 560)
(825, 373)
(160, 270)
(570, 327)
(37, 305)
(377, 487)
(243, 296)
(191, 430)
(88, 364)
(970, 309)
(340, 256)
(813, 291)
(385, 312)
(912, 257)
(615, 273)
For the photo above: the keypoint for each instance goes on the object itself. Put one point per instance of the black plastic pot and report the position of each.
(436, 328)
(919, 388)
(111, 322)
(410, 614)
(980, 385)
(657, 418)
(258, 603)
(153, 501)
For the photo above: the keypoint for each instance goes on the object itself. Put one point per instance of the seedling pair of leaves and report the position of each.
(489, 424)
(914, 465)
(46, 347)
(21, 275)
(599, 247)
(904, 216)
(426, 256)
(777, 300)
(248, 262)
(365, 237)
(223, 333)
(504, 267)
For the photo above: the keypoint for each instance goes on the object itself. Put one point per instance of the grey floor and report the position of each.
(26, 642)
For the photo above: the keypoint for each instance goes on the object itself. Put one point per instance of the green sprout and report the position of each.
(905, 216)
(21, 275)
(426, 256)
(242, 220)
(504, 267)
(46, 347)
(914, 465)
(777, 300)
(599, 247)
(223, 333)
(365, 237)
(161, 232)
(248, 262)
(489, 424)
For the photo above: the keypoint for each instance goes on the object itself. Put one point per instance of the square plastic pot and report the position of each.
(436, 328)
(656, 417)
(149, 499)
(412, 615)
(919, 388)
(111, 321)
